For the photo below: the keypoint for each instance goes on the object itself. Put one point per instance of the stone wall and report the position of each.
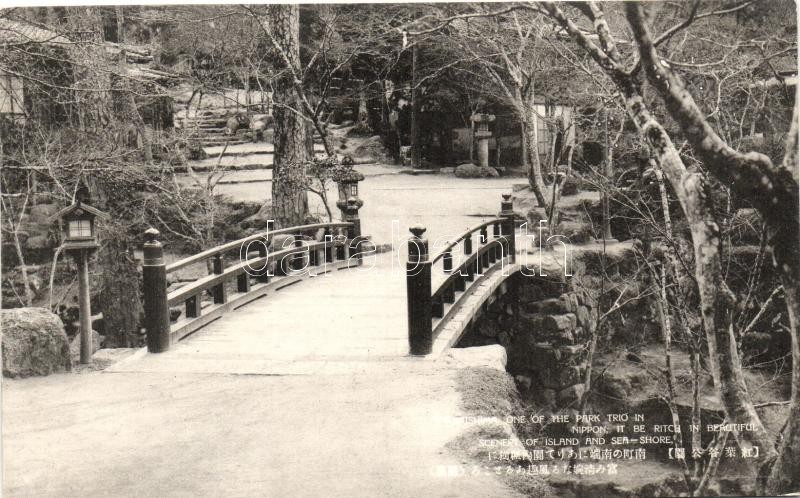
(545, 327)
(550, 345)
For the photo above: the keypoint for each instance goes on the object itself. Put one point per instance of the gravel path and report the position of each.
(376, 431)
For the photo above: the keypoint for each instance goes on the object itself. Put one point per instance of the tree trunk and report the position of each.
(716, 300)
(770, 188)
(120, 23)
(119, 295)
(784, 475)
(362, 125)
(416, 154)
(128, 112)
(692, 192)
(91, 70)
(609, 178)
(289, 198)
(535, 179)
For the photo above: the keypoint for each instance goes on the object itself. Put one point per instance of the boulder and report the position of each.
(75, 345)
(469, 170)
(34, 343)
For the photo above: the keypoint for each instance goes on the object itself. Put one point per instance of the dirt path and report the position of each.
(379, 431)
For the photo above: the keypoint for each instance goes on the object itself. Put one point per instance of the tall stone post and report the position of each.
(482, 134)
(418, 294)
(350, 215)
(507, 226)
(156, 307)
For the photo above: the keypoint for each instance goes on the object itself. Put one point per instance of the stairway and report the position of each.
(208, 127)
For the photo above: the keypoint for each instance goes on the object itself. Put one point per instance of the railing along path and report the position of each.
(429, 308)
(257, 268)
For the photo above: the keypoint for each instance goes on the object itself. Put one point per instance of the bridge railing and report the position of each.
(428, 307)
(234, 281)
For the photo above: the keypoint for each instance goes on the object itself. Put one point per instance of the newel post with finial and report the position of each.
(418, 292)
(156, 306)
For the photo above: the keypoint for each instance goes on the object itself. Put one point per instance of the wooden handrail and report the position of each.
(425, 304)
(457, 272)
(210, 281)
(467, 233)
(229, 246)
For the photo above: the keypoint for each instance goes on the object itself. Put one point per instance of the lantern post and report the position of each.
(79, 239)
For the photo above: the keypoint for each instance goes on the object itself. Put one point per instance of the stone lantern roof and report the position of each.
(351, 176)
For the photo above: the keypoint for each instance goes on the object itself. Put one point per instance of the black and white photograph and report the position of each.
(468, 249)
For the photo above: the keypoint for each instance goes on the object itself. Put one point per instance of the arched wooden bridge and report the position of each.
(313, 296)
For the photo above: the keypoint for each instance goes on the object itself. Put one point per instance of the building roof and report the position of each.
(14, 32)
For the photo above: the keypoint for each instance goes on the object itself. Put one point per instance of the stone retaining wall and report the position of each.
(545, 327)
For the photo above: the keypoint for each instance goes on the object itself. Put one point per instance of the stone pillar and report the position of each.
(350, 215)
(482, 134)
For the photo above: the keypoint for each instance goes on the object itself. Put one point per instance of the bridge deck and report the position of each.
(341, 321)
(348, 315)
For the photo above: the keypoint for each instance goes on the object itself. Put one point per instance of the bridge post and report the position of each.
(219, 292)
(418, 289)
(507, 213)
(156, 306)
(470, 276)
(298, 259)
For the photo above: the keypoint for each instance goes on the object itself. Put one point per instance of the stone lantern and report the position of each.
(79, 238)
(482, 134)
(348, 186)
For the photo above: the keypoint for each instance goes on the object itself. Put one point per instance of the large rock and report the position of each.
(469, 170)
(34, 343)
